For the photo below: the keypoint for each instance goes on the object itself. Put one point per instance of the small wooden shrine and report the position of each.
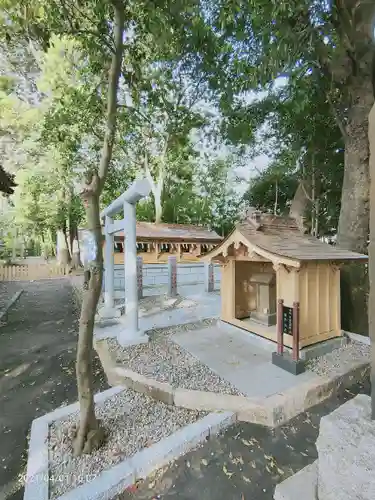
(155, 242)
(280, 283)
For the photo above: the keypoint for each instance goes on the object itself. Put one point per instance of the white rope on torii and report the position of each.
(126, 203)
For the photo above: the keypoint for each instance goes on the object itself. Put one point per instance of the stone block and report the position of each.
(346, 450)
(221, 421)
(159, 391)
(36, 486)
(300, 486)
(245, 409)
(288, 364)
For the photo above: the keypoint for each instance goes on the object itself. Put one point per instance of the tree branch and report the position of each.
(114, 77)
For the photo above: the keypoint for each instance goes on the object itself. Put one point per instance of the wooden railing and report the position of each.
(32, 272)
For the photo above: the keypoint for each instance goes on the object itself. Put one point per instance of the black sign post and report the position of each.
(288, 324)
(287, 320)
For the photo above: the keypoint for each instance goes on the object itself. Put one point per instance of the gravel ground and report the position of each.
(330, 364)
(166, 361)
(132, 421)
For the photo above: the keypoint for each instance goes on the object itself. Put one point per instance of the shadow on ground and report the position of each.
(37, 370)
(245, 463)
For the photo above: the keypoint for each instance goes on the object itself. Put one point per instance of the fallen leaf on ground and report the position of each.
(204, 461)
(245, 442)
(226, 472)
(246, 479)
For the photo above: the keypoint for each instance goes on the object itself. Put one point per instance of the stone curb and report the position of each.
(271, 411)
(114, 480)
(304, 481)
(10, 303)
(37, 476)
(287, 405)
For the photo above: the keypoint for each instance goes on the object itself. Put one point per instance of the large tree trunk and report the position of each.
(353, 230)
(89, 434)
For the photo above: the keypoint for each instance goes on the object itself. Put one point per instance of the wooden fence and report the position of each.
(32, 272)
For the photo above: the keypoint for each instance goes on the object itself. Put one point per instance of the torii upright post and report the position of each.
(130, 267)
(130, 334)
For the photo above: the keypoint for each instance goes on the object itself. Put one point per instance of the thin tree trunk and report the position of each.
(276, 197)
(353, 230)
(313, 198)
(316, 209)
(63, 254)
(90, 434)
(76, 258)
(156, 189)
(158, 206)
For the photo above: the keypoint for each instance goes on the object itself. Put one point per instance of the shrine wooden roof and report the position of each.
(278, 239)
(149, 231)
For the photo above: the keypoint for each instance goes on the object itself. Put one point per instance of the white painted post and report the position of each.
(209, 277)
(109, 267)
(130, 267)
(172, 276)
(140, 277)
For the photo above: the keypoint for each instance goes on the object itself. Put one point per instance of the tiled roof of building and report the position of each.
(149, 231)
(281, 236)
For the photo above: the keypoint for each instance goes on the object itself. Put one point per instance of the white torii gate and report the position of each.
(130, 334)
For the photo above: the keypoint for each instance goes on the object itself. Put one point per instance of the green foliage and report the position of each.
(164, 104)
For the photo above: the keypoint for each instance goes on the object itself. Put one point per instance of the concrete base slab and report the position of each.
(109, 312)
(306, 353)
(126, 338)
(180, 316)
(285, 362)
(233, 356)
(107, 328)
(302, 485)
(208, 307)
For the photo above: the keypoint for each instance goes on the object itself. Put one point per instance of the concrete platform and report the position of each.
(233, 355)
(208, 306)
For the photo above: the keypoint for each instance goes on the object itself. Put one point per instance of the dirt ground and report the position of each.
(37, 368)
